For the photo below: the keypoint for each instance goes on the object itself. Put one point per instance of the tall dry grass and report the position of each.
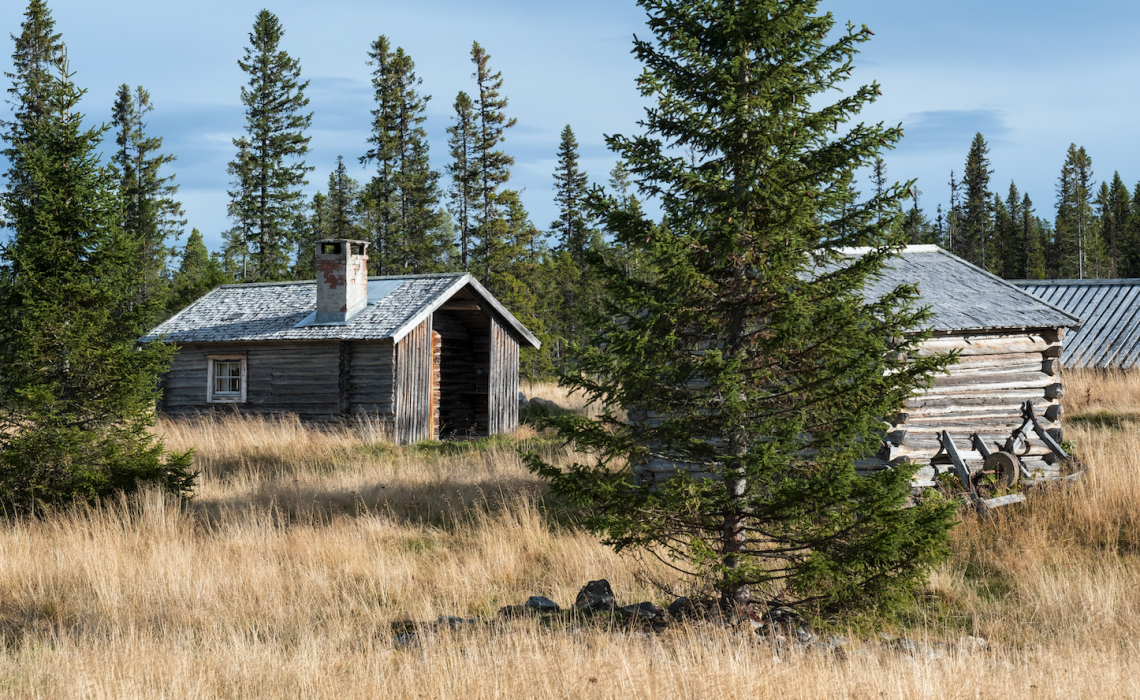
(301, 547)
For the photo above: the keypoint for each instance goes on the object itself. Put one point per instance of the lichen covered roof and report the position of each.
(273, 310)
(964, 297)
(1110, 309)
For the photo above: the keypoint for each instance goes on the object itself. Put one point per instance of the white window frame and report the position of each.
(210, 365)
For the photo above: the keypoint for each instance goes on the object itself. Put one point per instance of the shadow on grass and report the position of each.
(1108, 420)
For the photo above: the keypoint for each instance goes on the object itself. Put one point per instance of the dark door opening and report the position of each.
(464, 369)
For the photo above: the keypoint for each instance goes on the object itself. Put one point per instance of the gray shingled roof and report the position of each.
(962, 296)
(1110, 336)
(271, 311)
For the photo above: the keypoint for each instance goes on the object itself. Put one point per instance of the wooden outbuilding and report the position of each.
(1010, 345)
(1110, 311)
(432, 355)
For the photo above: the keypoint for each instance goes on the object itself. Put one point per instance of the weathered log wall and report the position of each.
(286, 377)
(995, 375)
(983, 394)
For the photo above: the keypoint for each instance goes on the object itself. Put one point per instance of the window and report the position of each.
(227, 379)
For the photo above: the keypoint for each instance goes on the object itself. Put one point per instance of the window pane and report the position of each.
(227, 377)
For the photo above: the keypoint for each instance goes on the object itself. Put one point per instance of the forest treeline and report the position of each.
(469, 218)
(1095, 232)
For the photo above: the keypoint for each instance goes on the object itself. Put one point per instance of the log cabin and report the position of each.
(1010, 346)
(1110, 309)
(434, 356)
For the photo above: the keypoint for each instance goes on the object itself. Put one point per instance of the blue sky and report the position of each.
(1033, 77)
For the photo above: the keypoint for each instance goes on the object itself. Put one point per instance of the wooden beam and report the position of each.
(959, 466)
(1042, 433)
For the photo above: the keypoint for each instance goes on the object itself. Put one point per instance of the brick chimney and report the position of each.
(342, 279)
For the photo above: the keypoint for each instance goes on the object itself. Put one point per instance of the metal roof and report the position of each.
(1110, 336)
(275, 310)
(962, 296)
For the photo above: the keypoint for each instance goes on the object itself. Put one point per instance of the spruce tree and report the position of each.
(915, 223)
(464, 172)
(268, 173)
(151, 215)
(198, 272)
(404, 193)
(977, 211)
(1114, 217)
(1035, 237)
(1078, 250)
(76, 393)
(340, 219)
(753, 345)
(954, 217)
(493, 166)
(571, 228)
(37, 50)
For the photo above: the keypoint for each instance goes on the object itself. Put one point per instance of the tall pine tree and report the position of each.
(753, 346)
(152, 218)
(37, 50)
(268, 173)
(493, 166)
(404, 192)
(464, 172)
(977, 210)
(1078, 250)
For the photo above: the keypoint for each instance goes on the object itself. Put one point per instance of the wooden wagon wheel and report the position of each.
(1005, 465)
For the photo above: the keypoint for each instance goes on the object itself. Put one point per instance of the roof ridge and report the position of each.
(1115, 281)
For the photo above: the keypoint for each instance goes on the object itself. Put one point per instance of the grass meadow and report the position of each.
(282, 578)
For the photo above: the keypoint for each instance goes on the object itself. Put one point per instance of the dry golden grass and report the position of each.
(301, 547)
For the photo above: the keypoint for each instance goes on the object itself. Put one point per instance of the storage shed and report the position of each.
(1110, 310)
(1010, 345)
(432, 355)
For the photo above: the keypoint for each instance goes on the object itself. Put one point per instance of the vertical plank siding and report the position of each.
(414, 360)
(503, 392)
(436, 361)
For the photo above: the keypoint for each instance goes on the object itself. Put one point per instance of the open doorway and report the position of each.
(464, 368)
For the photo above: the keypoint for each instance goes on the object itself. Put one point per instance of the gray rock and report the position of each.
(511, 611)
(545, 403)
(973, 644)
(596, 596)
(682, 609)
(913, 649)
(645, 611)
(541, 604)
(524, 403)
(452, 621)
(804, 636)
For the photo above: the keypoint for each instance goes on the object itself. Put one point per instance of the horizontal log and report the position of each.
(1034, 365)
(993, 382)
(1055, 391)
(1003, 500)
(985, 345)
(997, 398)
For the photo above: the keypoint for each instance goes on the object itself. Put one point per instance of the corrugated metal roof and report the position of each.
(962, 296)
(273, 310)
(1110, 336)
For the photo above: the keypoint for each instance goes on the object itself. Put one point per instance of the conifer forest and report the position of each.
(466, 216)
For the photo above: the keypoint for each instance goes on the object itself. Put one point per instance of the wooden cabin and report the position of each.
(1109, 337)
(1010, 345)
(435, 356)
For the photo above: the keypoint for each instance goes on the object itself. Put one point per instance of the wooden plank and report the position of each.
(985, 345)
(991, 503)
(956, 460)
